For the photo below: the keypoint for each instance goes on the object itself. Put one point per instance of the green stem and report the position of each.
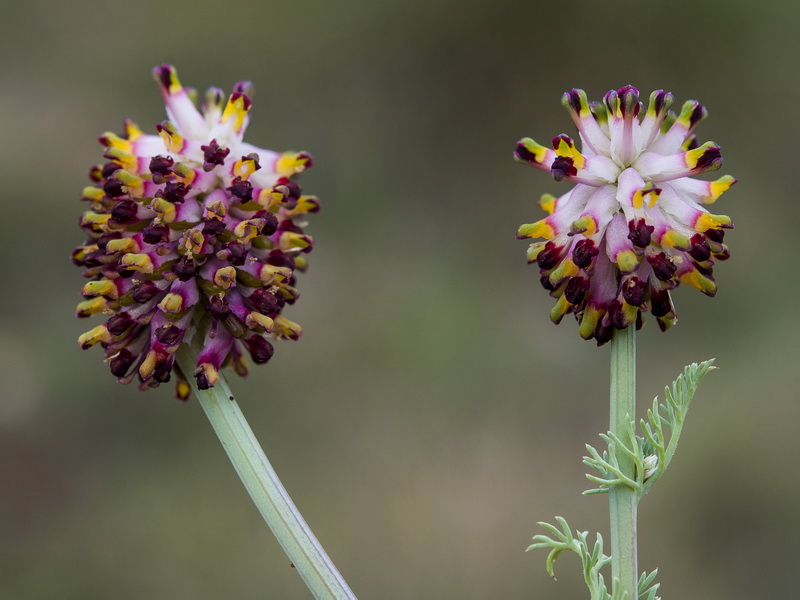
(262, 483)
(623, 500)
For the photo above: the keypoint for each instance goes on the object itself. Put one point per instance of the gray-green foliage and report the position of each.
(593, 560)
(651, 453)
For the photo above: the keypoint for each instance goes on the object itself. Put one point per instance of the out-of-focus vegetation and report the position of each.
(431, 414)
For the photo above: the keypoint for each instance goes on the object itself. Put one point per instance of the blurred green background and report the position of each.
(431, 414)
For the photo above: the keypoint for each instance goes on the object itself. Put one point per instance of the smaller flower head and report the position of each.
(191, 232)
(634, 226)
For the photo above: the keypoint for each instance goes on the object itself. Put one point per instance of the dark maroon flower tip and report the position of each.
(260, 349)
(169, 335)
(119, 323)
(563, 167)
(634, 290)
(125, 212)
(663, 268)
(121, 363)
(243, 190)
(639, 233)
(213, 155)
(185, 268)
(264, 302)
(583, 253)
(155, 234)
(144, 291)
(576, 289)
(174, 191)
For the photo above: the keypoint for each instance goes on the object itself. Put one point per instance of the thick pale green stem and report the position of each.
(623, 500)
(262, 483)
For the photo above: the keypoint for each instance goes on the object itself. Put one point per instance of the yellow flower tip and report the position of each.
(97, 222)
(270, 199)
(547, 203)
(246, 166)
(627, 261)
(192, 241)
(133, 183)
(225, 277)
(666, 323)
(704, 158)
(90, 307)
(559, 310)
(530, 153)
(586, 225)
(246, 230)
(305, 204)
(566, 148)
(692, 112)
(534, 250)
(301, 263)
(215, 210)
(167, 79)
(706, 221)
(124, 159)
(171, 303)
(589, 321)
(99, 334)
(92, 194)
(239, 365)
(629, 313)
(539, 229)
(170, 136)
(102, 287)
(271, 274)
(659, 103)
(719, 187)
(148, 364)
(700, 281)
(291, 240)
(132, 131)
(122, 245)
(138, 262)
(648, 193)
(673, 239)
(284, 328)
(577, 103)
(166, 210)
(207, 374)
(112, 140)
(291, 163)
(184, 173)
(567, 268)
(255, 320)
(236, 109)
(81, 252)
(182, 390)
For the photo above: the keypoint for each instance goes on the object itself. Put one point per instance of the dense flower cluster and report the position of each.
(634, 226)
(191, 232)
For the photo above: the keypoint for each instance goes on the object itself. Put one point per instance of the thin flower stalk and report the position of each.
(266, 490)
(623, 499)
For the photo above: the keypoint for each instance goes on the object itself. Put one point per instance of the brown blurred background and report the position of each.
(431, 414)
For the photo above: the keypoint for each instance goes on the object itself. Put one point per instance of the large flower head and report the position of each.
(191, 232)
(634, 225)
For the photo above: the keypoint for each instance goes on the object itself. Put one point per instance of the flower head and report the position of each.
(191, 232)
(634, 226)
